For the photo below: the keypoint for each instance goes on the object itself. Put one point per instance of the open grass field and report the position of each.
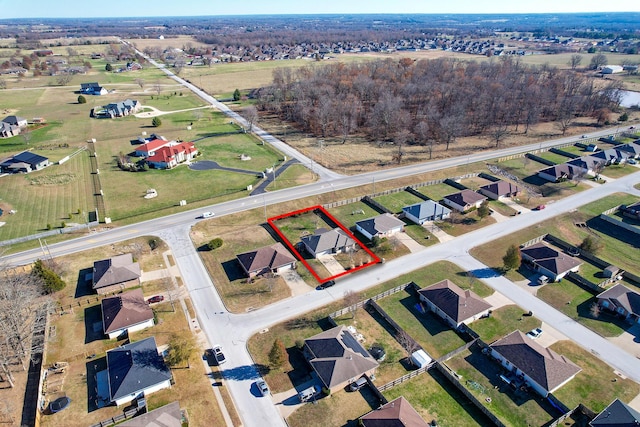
(437, 192)
(46, 197)
(553, 157)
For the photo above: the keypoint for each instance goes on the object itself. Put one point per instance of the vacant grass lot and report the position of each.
(459, 224)
(474, 183)
(553, 157)
(437, 192)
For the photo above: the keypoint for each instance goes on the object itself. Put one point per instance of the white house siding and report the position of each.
(140, 326)
(147, 391)
(489, 194)
(284, 268)
(546, 176)
(364, 232)
(453, 205)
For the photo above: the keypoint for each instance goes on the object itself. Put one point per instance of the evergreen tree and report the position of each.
(512, 259)
(236, 95)
(82, 99)
(278, 354)
(156, 122)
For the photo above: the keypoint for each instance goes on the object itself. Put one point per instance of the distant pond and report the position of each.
(629, 98)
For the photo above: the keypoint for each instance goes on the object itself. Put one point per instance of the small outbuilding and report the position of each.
(420, 358)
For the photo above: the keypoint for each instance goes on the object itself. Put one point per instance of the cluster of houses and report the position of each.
(592, 164)
(136, 369)
(159, 153)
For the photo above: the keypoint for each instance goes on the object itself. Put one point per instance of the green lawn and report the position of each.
(433, 397)
(553, 157)
(437, 192)
(480, 375)
(617, 171)
(396, 201)
(576, 302)
(502, 322)
(350, 214)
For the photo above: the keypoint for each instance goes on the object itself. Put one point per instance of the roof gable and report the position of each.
(397, 413)
(30, 158)
(617, 414)
(115, 270)
(267, 257)
(623, 297)
(134, 367)
(543, 365)
(457, 303)
(550, 259)
(426, 209)
(125, 310)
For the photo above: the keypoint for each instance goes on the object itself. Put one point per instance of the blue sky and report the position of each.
(119, 8)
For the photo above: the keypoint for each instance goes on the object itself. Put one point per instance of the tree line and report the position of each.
(433, 101)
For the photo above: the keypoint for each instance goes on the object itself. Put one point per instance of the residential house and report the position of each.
(622, 301)
(426, 211)
(617, 414)
(384, 225)
(612, 156)
(16, 121)
(453, 304)
(397, 413)
(125, 313)
(589, 164)
(92, 88)
(632, 148)
(268, 259)
(121, 109)
(338, 358)
(544, 370)
(550, 262)
(561, 172)
(115, 273)
(631, 211)
(24, 162)
(171, 156)
(149, 148)
(464, 200)
(135, 370)
(500, 189)
(8, 130)
(324, 242)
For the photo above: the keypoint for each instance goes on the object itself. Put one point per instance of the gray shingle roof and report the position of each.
(465, 197)
(547, 257)
(621, 296)
(337, 356)
(380, 224)
(135, 367)
(427, 209)
(501, 188)
(617, 414)
(323, 240)
(543, 365)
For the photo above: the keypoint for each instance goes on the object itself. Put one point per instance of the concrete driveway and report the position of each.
(408, 241)
(629, 340)
(437, 231)
(331, 264)
(295, 283)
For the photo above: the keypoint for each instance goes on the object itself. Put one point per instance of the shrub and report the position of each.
(512, 258)
(624, 117)
(326, 391)
(82, 99)
(51, 280)
(278, 354)
(156, 122)
(236, 95)
(214, 243)
(108, 67)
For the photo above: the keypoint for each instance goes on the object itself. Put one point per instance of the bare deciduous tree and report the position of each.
(251, 116)
(64, 79)
(408, 343)
(23, 316)
(140, 82)
(351, 298)
(157, 87)
(574, 61)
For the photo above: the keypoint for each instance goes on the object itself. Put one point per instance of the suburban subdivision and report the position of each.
(309, 234)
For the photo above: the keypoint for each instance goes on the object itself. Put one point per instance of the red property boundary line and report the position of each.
(271, 221)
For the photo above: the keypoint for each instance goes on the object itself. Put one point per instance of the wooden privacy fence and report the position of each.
(362, 303)
(406, 377)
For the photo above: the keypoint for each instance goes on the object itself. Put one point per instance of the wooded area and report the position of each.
(436, 101)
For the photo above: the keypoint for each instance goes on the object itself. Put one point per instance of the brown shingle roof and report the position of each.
(621, 296)
(547, 257)
(457, 303)
(465, 197)
(112, 271)
(543, 365)
(337, 356)
(501, 188)
(265, 258)
(397, 413)
(125, 310)
(323, 240)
